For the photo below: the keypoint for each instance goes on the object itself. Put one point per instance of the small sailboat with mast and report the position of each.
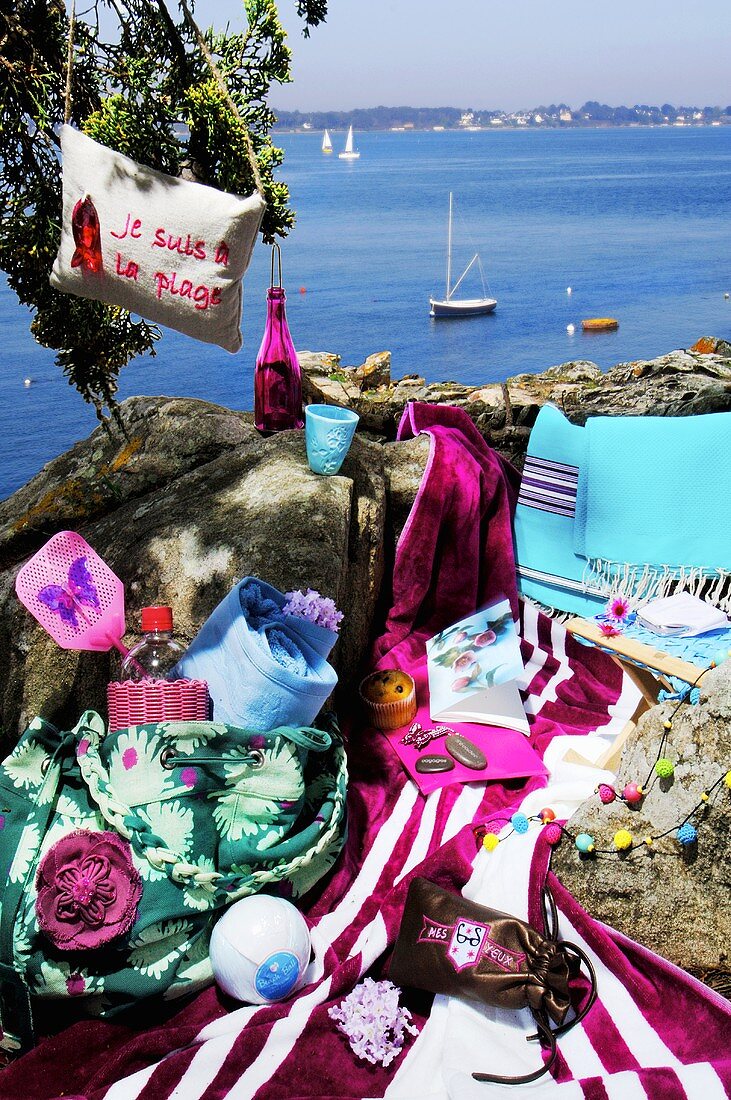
(327, 145)
(349, 152)
(450, 306)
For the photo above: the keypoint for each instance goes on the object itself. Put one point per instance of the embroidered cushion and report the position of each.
(168, 249)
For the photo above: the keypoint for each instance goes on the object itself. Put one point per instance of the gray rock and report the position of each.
(157, 440)
(673, 900)
(679, 384)
(255, 508)
(376, 371)
(325, 381)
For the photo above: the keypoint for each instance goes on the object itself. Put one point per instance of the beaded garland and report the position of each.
(686, 833)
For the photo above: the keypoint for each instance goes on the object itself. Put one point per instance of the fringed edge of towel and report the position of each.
(548, 609)
(643, 582)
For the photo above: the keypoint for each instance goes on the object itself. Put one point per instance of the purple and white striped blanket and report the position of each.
(653, 1033)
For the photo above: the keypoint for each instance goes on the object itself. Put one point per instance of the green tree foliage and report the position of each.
(149, 93)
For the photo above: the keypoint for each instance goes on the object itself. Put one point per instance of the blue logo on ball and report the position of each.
(277, 975)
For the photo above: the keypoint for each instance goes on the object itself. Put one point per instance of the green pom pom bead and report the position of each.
(664, 767)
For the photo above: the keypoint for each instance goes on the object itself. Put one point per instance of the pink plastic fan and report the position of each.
(73, 594)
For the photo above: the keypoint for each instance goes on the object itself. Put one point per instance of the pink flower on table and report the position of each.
(88, 890)
(618, 608)
(609, 630)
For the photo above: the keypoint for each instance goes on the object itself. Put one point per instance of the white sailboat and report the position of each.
(349, 153)
(450, 306)
(327, 145)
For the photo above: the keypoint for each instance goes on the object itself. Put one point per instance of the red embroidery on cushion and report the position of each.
(87, 236)
(135, 230)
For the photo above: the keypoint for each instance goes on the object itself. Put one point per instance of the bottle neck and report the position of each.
(275, 302)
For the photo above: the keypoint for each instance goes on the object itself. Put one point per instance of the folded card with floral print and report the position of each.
(475, 671)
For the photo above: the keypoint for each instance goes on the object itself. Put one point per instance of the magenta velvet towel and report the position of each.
(455, 553)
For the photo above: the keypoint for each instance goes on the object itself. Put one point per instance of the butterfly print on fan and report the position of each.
(79, 592)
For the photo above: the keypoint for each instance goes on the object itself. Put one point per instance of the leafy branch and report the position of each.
(151, 94)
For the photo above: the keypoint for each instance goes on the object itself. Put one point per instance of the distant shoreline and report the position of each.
(505, 127)
(557, 116)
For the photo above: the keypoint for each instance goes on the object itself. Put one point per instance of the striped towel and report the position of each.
(549, 569)
(631, 1046)
(213, 1050)
(654, 1032)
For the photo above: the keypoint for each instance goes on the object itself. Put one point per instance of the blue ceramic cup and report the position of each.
(329, 431)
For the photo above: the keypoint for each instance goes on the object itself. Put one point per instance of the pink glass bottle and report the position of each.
(277, 375)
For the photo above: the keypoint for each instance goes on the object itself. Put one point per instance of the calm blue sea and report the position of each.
(636, 222)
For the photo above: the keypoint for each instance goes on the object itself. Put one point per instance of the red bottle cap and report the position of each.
(157, 618)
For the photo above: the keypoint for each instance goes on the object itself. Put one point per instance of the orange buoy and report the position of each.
(599, 324)
(303, 290)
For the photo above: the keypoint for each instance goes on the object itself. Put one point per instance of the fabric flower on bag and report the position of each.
(88, 890)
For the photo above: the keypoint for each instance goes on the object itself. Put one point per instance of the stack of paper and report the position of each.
(681, 615)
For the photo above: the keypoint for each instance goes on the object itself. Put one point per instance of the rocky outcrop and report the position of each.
(678, 384)
(181, 502)
(117, 464)
(671, 898)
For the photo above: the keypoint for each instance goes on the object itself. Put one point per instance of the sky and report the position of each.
(502, 55)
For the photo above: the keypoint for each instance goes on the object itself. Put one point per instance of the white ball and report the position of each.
(571, 329)
(260, 949)
(568, 289)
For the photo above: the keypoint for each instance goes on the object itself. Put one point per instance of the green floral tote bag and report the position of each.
(119, 851)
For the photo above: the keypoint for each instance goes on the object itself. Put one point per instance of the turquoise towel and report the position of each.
(652, 503)
(549, 570)
(630, 506)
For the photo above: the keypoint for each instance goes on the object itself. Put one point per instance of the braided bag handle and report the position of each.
(125, 821)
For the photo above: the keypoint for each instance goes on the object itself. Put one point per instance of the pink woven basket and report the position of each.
(134, 704)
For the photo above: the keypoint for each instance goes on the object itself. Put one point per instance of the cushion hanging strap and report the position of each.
(69, 63)
(250, 154)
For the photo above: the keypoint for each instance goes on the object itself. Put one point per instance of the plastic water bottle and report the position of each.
(158, 652)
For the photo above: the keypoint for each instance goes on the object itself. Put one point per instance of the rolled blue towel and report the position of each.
(263, 668)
